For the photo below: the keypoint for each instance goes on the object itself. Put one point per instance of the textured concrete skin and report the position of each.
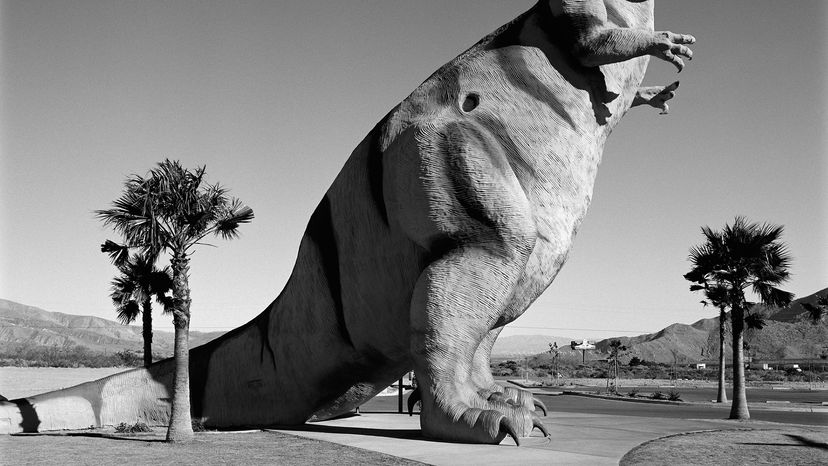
(448, 220)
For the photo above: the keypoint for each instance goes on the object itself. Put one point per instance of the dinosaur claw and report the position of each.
(536, 422)
(539, 405)
(507, 427)
(413, 398)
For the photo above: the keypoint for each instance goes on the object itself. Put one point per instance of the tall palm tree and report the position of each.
(134, 288)
(172, 210)
(704, 259)
(743, 256)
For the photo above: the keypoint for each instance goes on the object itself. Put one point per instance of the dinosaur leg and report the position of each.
(454, 319)
(481, 365)
(478, 223)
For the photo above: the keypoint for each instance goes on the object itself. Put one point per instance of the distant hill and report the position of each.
(20, 323)
(525, 345)
(784, 337)
(795, 310)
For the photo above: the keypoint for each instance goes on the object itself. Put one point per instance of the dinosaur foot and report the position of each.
(483, 418)
(515, 397)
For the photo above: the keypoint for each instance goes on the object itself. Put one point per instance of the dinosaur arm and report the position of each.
(602, 46)
(655, 96)
(597, 43)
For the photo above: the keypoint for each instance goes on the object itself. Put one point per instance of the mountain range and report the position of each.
(20, 323)
(786, 335)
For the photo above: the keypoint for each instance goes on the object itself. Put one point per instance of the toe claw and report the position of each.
(539, 405)
(497, 396)
(507, 427)
(413, 398)
(536, 422)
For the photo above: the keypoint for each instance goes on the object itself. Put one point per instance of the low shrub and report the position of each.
(124, 428)
(198, 425)
(658, 396)
(674, 396)
(632, 393)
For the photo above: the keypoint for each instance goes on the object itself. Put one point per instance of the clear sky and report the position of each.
(274, 95)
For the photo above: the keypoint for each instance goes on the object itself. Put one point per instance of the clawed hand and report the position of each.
(670, 47)
(657, 96)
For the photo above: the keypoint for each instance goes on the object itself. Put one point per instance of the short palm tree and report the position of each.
(173, 209)
(743, 256)
(703, 259)
(132, 291)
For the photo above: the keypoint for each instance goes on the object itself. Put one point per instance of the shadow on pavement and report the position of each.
(410, 434)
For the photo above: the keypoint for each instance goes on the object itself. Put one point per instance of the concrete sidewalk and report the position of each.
(587, 439)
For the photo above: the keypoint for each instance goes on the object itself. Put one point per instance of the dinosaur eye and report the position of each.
(471, 102)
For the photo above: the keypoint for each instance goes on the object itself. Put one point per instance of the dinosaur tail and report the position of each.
(138, 395)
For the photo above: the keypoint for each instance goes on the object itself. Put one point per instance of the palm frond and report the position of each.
(818, 310)
(772, 296)
(128, 312)
(755, 321)
(118, 253)
(167, 302)
(160, 281)
(227, 227)
(122, 290)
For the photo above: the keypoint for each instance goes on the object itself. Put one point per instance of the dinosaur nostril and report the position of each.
(471, 102)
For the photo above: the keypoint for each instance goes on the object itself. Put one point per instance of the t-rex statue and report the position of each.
(448, 220)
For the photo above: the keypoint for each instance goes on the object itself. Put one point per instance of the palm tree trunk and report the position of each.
(181, 424)
(147, 331)
(739, 408)
(722, 396)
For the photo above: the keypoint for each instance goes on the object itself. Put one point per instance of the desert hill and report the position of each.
(21, 324)
(785, 336)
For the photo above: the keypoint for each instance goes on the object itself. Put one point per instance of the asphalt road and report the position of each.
(580, 404)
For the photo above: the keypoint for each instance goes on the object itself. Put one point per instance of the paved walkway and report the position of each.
(587, 439)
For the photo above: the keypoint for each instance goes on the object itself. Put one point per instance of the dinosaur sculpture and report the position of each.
(448, 220)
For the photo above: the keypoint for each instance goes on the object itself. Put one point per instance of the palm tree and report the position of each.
(616, 350)
(172, 210)
(133, 289)
(703, 259)
(743, 256)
